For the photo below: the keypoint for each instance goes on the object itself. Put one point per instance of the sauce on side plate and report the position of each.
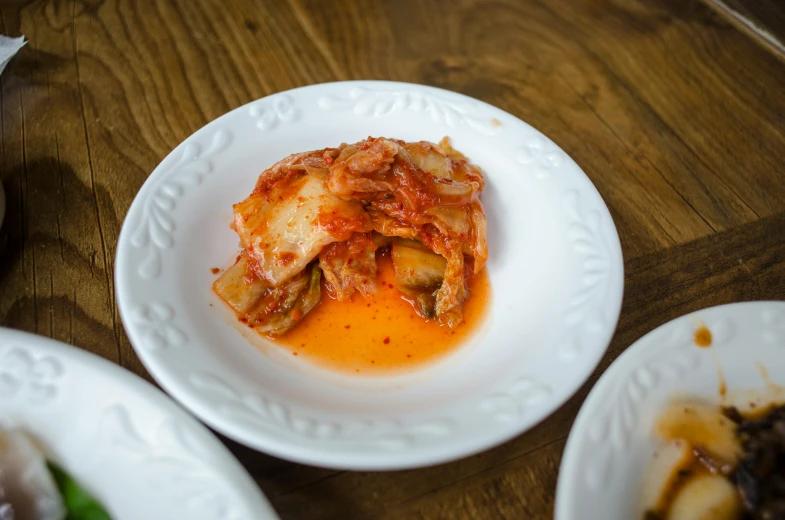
(382, 334)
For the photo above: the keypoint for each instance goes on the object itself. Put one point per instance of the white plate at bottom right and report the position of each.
(611, 443)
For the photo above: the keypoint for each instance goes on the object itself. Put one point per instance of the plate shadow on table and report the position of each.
(55, 243)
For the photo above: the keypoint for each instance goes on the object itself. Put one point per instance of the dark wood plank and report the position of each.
(54, 262)
(684, 62)
(521, 488)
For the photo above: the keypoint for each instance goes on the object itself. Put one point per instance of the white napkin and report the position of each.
(9, 47)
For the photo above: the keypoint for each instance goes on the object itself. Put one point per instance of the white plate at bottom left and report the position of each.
(127, 443)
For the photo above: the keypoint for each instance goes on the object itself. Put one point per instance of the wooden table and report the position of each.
(675, 114)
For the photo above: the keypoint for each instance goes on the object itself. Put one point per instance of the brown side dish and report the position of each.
(717, 463)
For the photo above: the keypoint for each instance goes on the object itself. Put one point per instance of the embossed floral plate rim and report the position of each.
(610, 443)
(163, 299)
(123, 439)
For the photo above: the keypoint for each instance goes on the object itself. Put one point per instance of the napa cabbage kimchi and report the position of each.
(316, 220)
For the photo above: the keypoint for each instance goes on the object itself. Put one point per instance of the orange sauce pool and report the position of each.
(382, 334)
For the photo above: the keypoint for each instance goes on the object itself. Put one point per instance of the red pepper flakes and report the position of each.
(347, 326)
(386, 340)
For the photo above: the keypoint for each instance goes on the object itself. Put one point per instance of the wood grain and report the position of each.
(674, 114)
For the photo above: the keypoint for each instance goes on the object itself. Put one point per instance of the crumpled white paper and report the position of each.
(9, 47)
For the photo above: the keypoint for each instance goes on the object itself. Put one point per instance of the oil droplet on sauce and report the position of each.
(703, 337)
(383, 333)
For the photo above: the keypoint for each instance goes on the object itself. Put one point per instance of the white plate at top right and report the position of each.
(610, 444)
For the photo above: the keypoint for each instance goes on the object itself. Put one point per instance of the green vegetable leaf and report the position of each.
(79, 505)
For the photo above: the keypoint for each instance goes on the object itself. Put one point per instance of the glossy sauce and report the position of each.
(382, 334)
(703, 337)
(711, 447)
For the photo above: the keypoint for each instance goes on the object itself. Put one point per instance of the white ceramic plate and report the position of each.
(136, 451)
(611, 444)
(555, 266)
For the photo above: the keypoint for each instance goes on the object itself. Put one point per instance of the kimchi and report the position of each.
(319, 218)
